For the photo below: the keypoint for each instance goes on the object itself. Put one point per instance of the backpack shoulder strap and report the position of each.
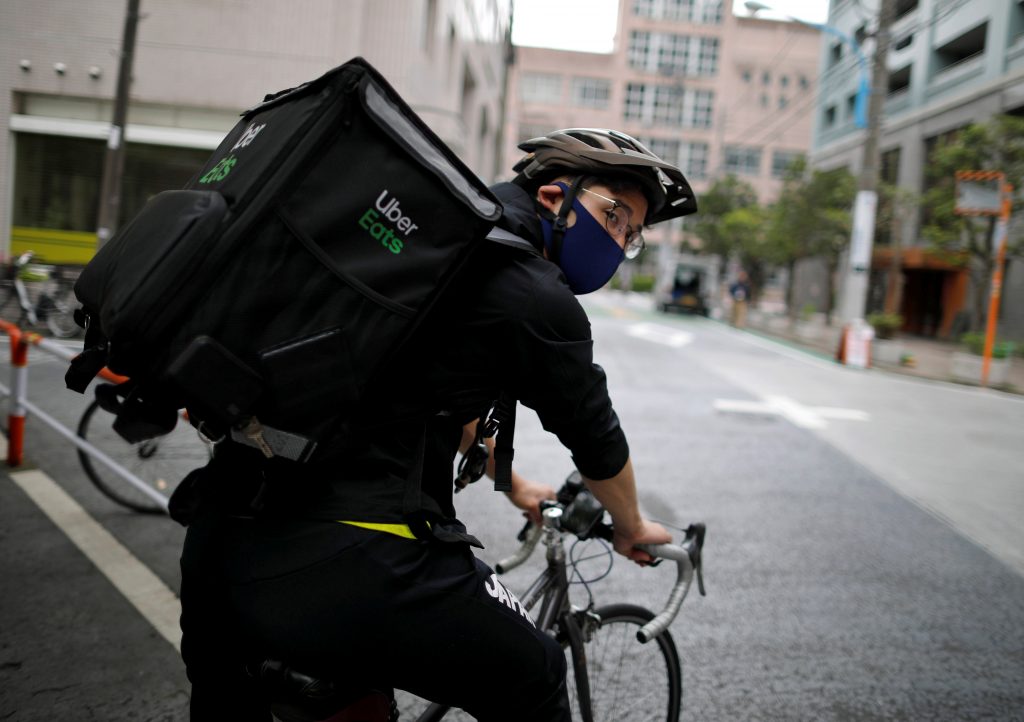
(507, 238)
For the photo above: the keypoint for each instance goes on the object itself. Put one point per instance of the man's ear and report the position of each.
(551, 196)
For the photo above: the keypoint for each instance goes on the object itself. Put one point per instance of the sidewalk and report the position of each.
(928, 358)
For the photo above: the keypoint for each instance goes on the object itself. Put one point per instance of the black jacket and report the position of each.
(512, 323)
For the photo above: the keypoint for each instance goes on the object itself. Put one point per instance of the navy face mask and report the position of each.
(589, 255)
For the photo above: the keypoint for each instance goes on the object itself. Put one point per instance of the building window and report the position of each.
(835, 54)
(541, 88)
(57, 179)
(959, 49)
(851, 105)
(707, 61)
(830, 116)
(691, 158)
(742, 160)
(708, 12)
(670, 105)
(703, 108)
(766, 78)
(591, 92)
(784, 81)
(899, 79)
(904, 42)
(673, 54)
(746, 75)
(804, 82)
(783, 102)
(782, 160)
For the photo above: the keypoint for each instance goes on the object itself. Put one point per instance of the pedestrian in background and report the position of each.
(739, 290)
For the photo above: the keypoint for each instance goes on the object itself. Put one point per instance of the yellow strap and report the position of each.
(401, 530)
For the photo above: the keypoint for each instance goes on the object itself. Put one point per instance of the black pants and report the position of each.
(364, 606)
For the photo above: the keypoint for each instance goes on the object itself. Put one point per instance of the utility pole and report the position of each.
(113, 164)
(855, 289)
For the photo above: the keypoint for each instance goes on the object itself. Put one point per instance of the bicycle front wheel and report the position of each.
(60, 313)
(628, 680)
(161, 462)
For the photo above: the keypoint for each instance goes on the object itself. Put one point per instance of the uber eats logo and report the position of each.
(387, 208)
(220, 171)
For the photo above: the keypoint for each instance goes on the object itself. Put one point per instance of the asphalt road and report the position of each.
(864, 557)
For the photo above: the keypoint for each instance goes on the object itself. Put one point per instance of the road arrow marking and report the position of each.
(664, 335)
(806, 417)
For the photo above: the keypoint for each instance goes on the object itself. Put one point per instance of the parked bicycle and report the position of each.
(54, 304)
(623, 663)
(160, 463)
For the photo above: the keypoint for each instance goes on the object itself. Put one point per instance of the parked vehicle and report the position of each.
(690, 291)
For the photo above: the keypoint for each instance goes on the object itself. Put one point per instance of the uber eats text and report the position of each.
(387, 206)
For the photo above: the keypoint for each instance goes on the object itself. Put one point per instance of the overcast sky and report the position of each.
(589, 25)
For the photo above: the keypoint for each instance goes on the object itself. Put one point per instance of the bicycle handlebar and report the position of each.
(529, 536)
(687, 557)
(586, 523)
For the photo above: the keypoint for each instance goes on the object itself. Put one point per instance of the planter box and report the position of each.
(967, 367)
(887, 351)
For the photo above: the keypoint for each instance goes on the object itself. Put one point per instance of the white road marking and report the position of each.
(665, 335)
(140, 586)
(807, 417)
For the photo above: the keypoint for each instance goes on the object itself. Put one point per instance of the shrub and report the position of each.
(643, 282)
(885, 324)
(975, 343)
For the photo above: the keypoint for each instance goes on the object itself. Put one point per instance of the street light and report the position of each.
(860, 108)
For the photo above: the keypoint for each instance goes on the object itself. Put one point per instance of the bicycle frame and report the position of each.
(550, 589)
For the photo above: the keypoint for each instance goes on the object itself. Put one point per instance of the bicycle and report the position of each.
(55, 303)
(161, 462)
(623, 663)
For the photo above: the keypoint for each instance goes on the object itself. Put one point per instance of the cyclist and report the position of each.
(392, 597)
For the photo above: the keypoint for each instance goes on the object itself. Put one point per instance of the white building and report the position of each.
(951, 63)
(196, 66)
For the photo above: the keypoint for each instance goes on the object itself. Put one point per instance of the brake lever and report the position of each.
(693, 544)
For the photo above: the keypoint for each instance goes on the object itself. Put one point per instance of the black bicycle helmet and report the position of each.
(608, 152)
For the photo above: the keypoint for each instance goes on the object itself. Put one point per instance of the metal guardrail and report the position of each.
(19, 405)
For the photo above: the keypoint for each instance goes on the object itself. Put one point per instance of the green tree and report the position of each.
(723, 197)
(997, 145)
(811, 219)
(743, 231)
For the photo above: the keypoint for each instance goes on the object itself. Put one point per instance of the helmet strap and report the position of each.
(558, 224)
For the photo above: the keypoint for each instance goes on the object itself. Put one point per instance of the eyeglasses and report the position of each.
(617, 221)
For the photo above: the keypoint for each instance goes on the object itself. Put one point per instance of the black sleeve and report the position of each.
(557, 377)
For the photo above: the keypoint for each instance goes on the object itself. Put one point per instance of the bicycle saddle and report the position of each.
(299, 697)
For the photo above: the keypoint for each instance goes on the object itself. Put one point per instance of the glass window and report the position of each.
(707, 62)
(782, 159)
(673, 54)
(591, 92)
(669, 105)
(708, 12)
(639, 49)
(57, 179)
(541, 88)
(743, 160)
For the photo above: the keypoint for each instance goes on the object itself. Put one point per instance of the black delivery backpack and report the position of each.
(264, 295)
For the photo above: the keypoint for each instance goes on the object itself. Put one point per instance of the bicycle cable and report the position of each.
(574, 562)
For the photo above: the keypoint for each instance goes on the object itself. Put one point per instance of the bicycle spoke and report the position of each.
(630, 680)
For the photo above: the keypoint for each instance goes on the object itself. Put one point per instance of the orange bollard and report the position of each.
(19, 390)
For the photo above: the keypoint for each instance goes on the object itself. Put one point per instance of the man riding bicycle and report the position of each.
(354, 567)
